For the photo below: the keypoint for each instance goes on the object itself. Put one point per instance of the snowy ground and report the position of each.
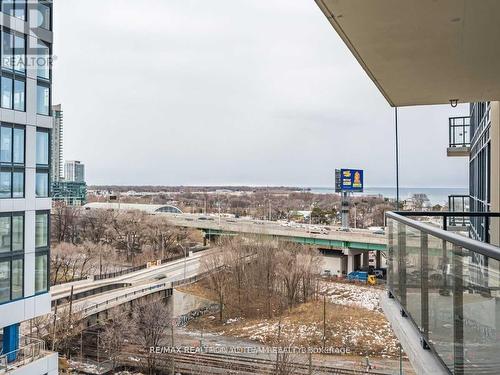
(353, 295)
(354, 321)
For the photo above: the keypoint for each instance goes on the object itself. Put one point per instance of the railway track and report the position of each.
(199, 364)
(186, 363)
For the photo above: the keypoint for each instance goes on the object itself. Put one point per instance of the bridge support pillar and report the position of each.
(378, 260)
(351, 262)
(366, 259)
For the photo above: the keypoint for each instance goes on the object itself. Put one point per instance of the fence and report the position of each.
(112, 275)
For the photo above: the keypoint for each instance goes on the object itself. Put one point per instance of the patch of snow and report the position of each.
(351, 295)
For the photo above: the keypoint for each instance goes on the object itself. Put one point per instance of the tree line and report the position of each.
(258, 275)
(86, 242)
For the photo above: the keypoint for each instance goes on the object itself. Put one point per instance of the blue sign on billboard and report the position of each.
(351, 180)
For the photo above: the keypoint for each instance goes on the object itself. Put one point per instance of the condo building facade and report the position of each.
(25, 132)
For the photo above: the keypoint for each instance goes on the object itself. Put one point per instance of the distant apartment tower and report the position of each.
(25, 128)
(57, 143)
(74, 171)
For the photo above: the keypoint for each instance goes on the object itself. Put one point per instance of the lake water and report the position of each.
(435, 195)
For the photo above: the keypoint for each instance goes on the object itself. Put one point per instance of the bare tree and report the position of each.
(114, 335)
(215, 265)
(151, 324)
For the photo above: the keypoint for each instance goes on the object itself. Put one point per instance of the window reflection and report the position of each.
(41, 230)
(41, 275)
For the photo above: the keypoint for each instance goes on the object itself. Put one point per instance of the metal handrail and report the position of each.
(25, 354)
(463, 124)
(447, 213)
(124, 296)
(470, 244)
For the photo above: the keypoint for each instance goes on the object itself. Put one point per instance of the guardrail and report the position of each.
(190, 280)
(61, 282)
(87, 310)
(449, 286)
(112, 275)
(31, 350)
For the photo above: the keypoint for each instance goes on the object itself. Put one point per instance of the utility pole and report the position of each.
(71, 303)
(54, 328)
(173, 350)
(400, 359)
(98, 348)
(100, 261)
(324, 320)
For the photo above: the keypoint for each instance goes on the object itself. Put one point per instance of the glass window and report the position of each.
(14, 8)
(17, 279)
(41, 273)
(18, 185)
(42, 184)
(19, 53)
(20, 9)
(42, 230)
(43, 100)
(18, 143)
(5, 184)
(8, 7)
(4, 281)
(44, 17)
(43, 63)
(4, 234)
(6, 92)
(17, 233)
(42, 148)
(6, 145)
(7, 50)
(19, 95)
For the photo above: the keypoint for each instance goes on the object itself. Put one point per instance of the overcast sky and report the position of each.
(254, 92)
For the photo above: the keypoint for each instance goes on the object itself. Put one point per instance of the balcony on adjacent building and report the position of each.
(458, 203)
(30, 355)
(447, 287)
(459, 144)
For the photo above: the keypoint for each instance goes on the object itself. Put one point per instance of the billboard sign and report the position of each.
(350, 180)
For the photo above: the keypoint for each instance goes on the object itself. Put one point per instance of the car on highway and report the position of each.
(204, 218)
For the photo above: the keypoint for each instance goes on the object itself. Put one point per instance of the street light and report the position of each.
(185, 258)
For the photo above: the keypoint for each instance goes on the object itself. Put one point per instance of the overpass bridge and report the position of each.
(356, 239)
(93, 297)
(343, 251)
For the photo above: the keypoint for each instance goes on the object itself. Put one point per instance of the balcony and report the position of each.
(459, 136)
(448, 287)
(30, 351)
(458, 203)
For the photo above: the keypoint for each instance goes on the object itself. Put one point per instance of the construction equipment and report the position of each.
(363, 277)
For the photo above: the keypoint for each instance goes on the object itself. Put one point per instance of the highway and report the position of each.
(104, 294)
(273, 228)
(137, 284)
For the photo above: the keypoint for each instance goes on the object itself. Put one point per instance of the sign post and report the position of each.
(348, 181)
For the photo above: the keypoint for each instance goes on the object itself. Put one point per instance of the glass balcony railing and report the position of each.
(449, 286)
